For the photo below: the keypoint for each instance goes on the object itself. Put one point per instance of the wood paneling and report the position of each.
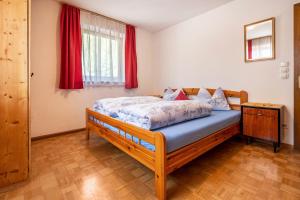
(296, 75)
(14, 125)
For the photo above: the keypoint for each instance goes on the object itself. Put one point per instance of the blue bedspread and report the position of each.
(184, 133)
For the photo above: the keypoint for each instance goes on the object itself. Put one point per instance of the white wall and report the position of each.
(54, 110)
(208, 50)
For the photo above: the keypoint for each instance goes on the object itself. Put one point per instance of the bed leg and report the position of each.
(160, 166)
(87, 133)
(87, 126)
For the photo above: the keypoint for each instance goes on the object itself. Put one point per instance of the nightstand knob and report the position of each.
(259, 114)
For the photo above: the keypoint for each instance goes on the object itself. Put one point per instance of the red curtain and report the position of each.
(70, 41)
(130, 59)
(249, 49)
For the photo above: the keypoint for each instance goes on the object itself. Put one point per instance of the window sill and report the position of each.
(104, 85)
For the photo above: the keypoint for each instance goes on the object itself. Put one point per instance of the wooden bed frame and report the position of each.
(159, 161)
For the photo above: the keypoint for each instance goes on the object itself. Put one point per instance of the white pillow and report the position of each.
(170, 95)
(218, 101)
(203, 96)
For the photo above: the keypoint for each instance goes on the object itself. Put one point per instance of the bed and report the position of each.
(166, 149)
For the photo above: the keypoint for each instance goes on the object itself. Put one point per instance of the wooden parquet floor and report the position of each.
(69, 167)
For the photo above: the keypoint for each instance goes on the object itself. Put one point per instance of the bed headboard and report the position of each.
(241, 95)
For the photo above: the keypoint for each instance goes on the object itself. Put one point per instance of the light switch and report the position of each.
(284, 70)
(284, 64)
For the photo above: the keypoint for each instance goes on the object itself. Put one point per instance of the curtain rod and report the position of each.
(94, 13)
(85, 10)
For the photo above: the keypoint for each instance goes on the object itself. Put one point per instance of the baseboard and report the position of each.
(286, 145)
(261, 141)
(56, 134)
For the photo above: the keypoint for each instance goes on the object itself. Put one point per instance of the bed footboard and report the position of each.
(160, 166)
(129, 138)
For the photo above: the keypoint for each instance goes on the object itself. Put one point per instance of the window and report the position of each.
(103, 44)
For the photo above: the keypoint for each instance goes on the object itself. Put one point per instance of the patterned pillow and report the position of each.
(170, 95)
(218, 101)
(203, 96)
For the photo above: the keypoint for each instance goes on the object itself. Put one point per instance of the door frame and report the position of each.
(296, 75)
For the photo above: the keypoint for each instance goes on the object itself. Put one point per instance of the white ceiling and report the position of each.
(152, 15)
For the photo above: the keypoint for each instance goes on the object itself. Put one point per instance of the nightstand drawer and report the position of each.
(260, 112)
(261, 126)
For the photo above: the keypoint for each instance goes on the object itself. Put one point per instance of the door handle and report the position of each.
(298, 81)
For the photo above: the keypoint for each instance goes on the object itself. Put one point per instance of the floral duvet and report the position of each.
(111, 106)
(163, 113)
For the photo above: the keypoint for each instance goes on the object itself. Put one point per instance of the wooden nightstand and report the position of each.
(263, 121)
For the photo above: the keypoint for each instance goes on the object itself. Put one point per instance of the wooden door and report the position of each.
(14, 91)
(297, 76)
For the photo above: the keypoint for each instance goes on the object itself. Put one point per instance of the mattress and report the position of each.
(185, 133)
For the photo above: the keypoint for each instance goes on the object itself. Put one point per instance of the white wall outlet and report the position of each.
(284, 76)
